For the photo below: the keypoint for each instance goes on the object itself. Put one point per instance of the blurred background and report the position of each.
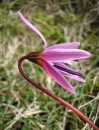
(22, 106)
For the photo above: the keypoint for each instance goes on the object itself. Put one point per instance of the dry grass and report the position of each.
(22, 106)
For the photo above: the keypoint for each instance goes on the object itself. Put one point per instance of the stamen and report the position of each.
(68, 71)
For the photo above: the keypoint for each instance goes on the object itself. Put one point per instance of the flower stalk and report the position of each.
(66, 104)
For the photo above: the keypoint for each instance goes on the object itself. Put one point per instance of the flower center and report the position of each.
(34, 57)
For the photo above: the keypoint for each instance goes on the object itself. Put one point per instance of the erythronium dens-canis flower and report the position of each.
(52, 59)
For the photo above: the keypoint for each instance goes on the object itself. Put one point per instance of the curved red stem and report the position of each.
(54, 96)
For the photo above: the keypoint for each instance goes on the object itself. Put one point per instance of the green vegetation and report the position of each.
(22, 106)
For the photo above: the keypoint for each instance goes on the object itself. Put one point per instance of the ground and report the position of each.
(22, 106)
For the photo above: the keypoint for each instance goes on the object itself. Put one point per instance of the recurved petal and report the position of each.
(32, 27)
(57, 76)
(70, 45)
(61, 55)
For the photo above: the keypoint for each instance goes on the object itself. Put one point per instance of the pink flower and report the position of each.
(52, 59)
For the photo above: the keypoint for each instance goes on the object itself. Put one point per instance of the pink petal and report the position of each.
(57, 76)
(32, 27)
(75, 77)
(71, 45)
(61, 55)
